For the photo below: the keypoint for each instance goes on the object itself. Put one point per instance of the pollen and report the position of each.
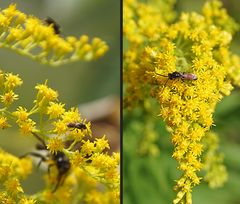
(21, 114)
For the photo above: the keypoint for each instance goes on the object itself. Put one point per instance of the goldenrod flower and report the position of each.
(55, 144)
(101, 144)
(55, 110)
(95, 197)
(9, 97)
(216, 173)
(3, 122)
(77, 159)
(5, 198)
(32, 37)
(72, 115)
(45, 95)
(13, 186)
(195, 43)
(12, 169)
(27, 201)
(77, 135)
(44, 92)
(27, 127)
(87, 147)
(21, 114)
(45, 105)
(60, 127)
(12, 81)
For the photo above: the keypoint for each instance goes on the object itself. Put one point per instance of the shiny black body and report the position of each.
(79, 126)
(179, 75)
(56, 27)
(60, 160)
(174, 75)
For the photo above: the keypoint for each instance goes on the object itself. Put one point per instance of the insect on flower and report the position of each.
(179, 75)
(56, 26)
(59, 159)
(78, 126)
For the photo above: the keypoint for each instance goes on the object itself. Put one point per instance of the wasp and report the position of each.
(56, 26)
(60, 160)
(78, 126)
(179, 75)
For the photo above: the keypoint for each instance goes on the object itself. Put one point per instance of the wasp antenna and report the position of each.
(162, 75)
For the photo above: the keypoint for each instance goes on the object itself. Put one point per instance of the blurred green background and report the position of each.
(150, 179)
(76, 83)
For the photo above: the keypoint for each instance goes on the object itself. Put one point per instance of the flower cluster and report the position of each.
(216, 173)
(196, 44)
(8, 83)
(37, 39)
(12, 169)
(84, 152)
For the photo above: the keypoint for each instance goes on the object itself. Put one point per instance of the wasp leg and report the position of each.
(59, 178)
(49, 167)
(35, 154)
(39, 139)
(42, 158)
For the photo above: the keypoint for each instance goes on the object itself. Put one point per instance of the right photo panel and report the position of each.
(181, 78)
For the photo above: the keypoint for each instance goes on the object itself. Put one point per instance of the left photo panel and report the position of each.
(60, 102)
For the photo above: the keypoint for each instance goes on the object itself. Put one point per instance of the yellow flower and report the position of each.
(87, 147)
(116, 156)
(77, 135)
(197, 44)
(55, 144)
(3, 122)
(55, 110)
(216, 173)
(46, 93)
(101, 144)
(15, 35)
(25, 200)
(60, 127)
(77, 159)
(72, 115)
(5, 198)
(9, 97)
(27, 127)
(13, 186)
(21, 114)
(12, 81)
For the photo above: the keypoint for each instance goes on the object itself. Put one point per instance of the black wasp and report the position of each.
(78, 126)
(179, 75)
(56, 26)
(60, 161)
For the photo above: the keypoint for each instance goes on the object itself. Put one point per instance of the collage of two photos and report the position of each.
(132, 101)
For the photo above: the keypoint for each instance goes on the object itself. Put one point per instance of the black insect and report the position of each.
(78, 126)
(56, 26)
(59, 159)
(179, 75)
